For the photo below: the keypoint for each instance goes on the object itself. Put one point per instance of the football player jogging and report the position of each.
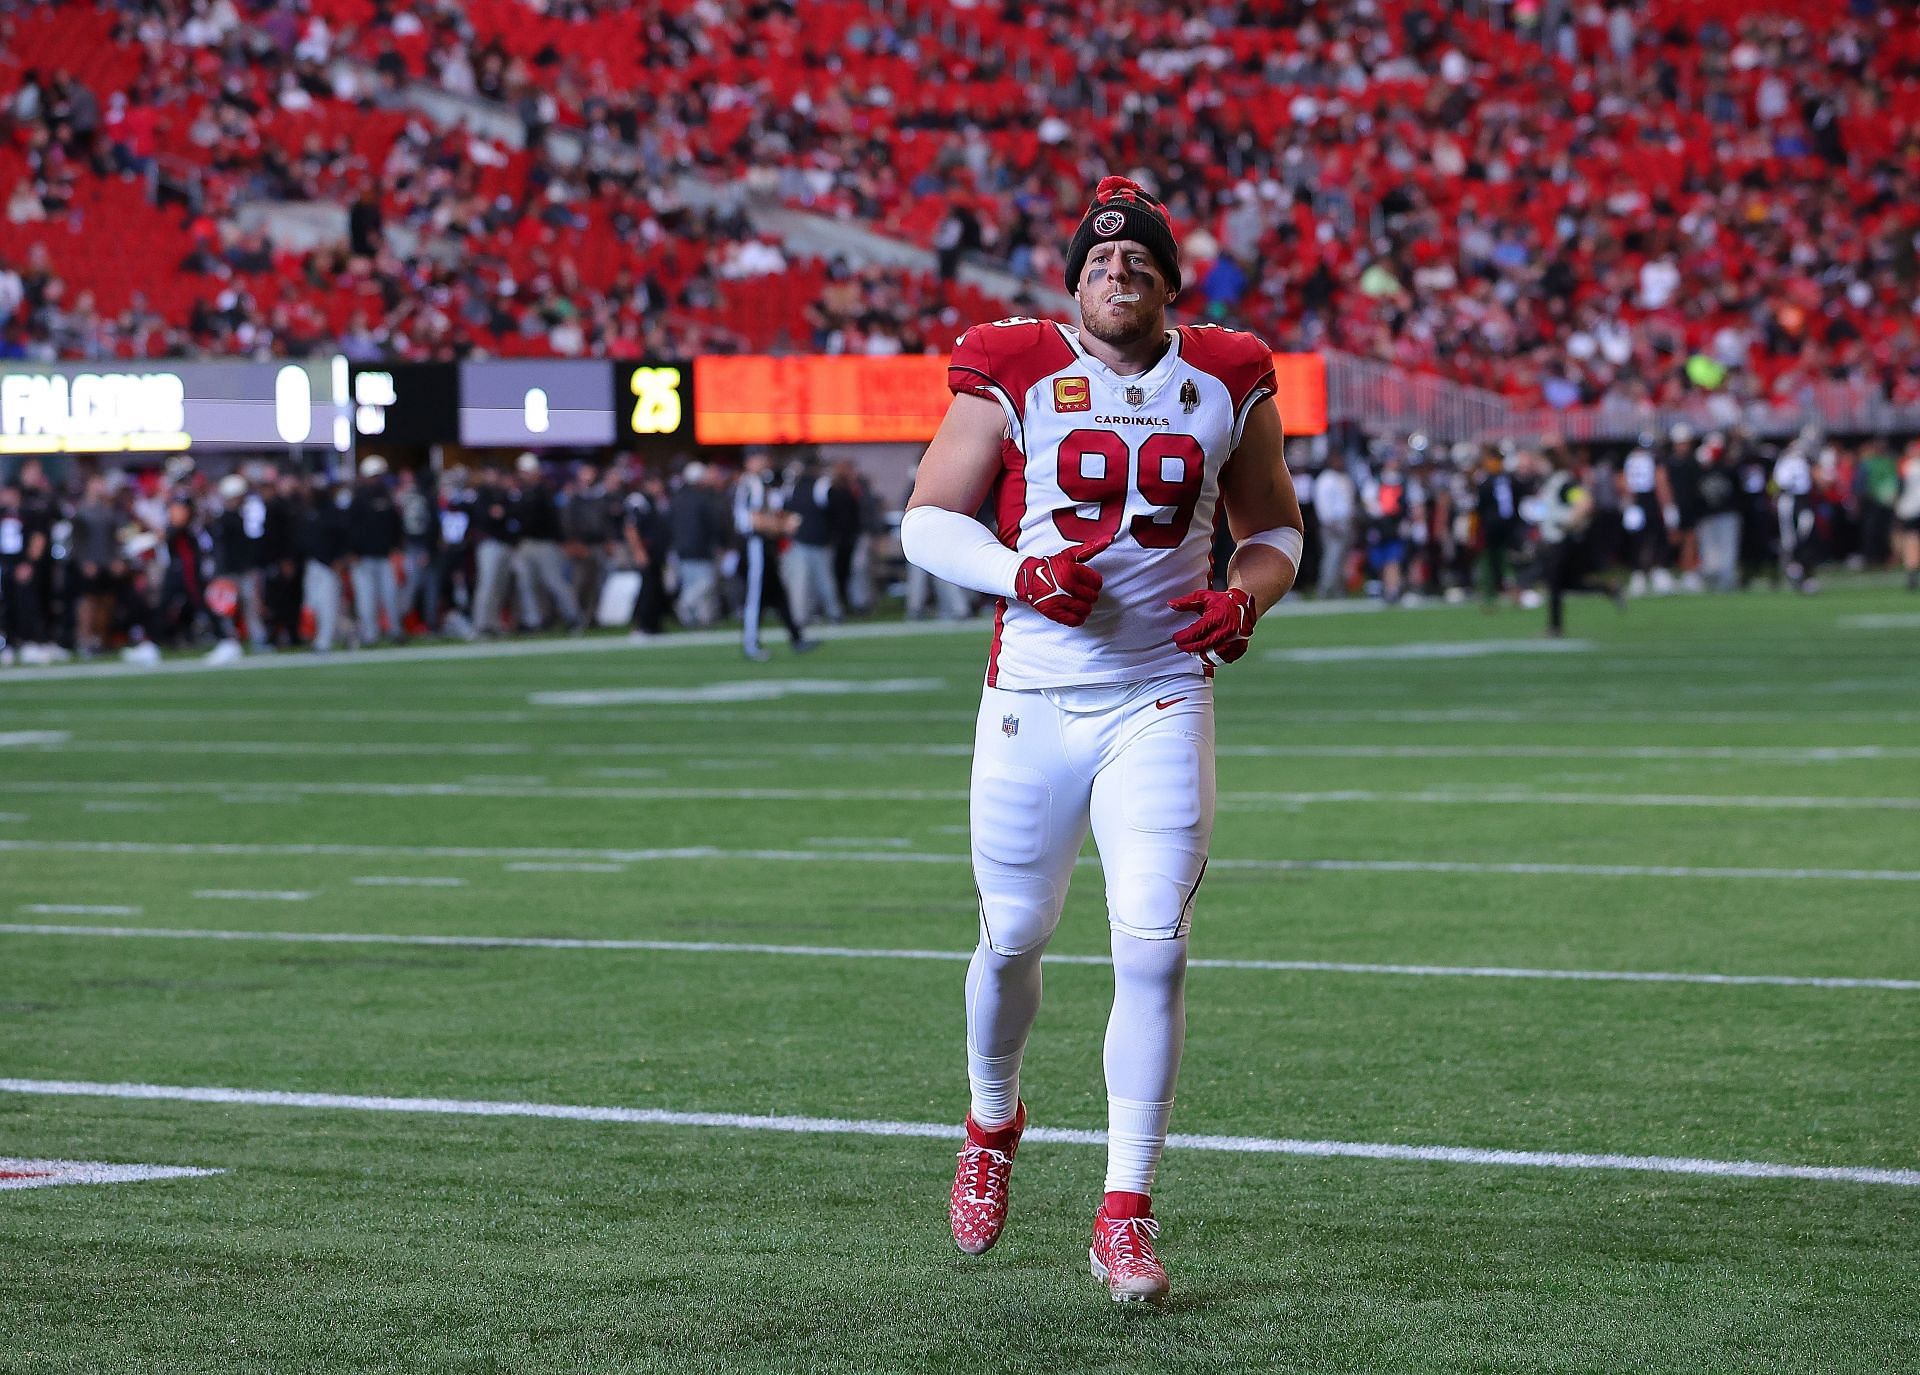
(1107, 451)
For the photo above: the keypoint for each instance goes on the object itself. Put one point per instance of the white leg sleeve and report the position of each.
(1003, 995)
(1144, 1039)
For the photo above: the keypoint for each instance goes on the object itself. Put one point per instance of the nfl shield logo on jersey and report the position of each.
(1136, 395)
(1009, 725)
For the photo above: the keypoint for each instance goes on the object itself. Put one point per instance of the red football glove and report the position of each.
(1061, 587)
(1222, 627)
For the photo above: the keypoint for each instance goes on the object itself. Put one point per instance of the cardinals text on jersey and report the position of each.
(1127, 465)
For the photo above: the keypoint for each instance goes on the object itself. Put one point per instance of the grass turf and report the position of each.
(354, 1241)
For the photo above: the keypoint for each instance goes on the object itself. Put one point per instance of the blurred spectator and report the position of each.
(374, 537)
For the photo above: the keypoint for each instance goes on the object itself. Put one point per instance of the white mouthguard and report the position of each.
(1123, 296)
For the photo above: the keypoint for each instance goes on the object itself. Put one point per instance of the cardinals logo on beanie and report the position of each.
(1122, 209)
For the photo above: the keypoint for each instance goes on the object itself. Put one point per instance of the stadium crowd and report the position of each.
(172, 557)
(1651, 204)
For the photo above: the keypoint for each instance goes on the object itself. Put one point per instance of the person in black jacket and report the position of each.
(538, 564)
(280, 559)
(373, 538)
(649, 534)
(808, 563)
(320, 545)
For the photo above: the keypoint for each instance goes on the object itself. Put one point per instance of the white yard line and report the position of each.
(1527, 798)
(252, 894)
(12, 816)
(1453, 798)
(700, 853)
(404, 881)
(946, 1131)
(1895, 620)
(841, 952)
(18, 1173)
(14, 739)
(1773, 754)
(78, 909)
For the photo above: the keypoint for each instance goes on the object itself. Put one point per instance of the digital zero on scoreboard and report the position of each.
(536, 403)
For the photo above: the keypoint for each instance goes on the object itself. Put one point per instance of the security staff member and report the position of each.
(760, 518)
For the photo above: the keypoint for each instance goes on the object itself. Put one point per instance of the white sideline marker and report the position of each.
(16, 1173)
(946, 1131)
(843, 952)
(252, 894)
(551, 867)
(78, 909)
(404, 881)
(698, 853)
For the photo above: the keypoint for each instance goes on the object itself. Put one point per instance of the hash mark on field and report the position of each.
(13, 816)
(946, 1131)
(623, 773)
(79, 909)
(405, 881)
(115, 805)
(703, 853)
(530, 780)
(856, 842)
(253, 894)
(842, 952)
(13, 739)
(16, 1173)
(535, 867)
(1897, 620)
(262, 799)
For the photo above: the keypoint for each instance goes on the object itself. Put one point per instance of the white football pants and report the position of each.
(1135, 762)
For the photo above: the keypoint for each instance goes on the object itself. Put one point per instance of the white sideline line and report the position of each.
(1779, 754)
(41, 1174)
(79, 909)
(1236, 1145)
(736, 690)
(1462, 798)
(252, 894)
(959, 956)
(248, 850)
(404, 881)
(1424, 649)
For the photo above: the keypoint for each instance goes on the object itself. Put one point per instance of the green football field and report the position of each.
(742, 904)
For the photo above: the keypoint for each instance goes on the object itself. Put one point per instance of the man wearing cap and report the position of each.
(373, 538)
(1108, 450)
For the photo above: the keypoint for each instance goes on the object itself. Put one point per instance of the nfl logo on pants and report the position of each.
(1010, 725)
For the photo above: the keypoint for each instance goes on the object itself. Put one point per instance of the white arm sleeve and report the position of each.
(960, 549)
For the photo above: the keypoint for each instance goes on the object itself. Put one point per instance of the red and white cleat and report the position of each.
(978, 1207)
(1122, 1250)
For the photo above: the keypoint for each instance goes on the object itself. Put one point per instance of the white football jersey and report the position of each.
(1127, 465)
